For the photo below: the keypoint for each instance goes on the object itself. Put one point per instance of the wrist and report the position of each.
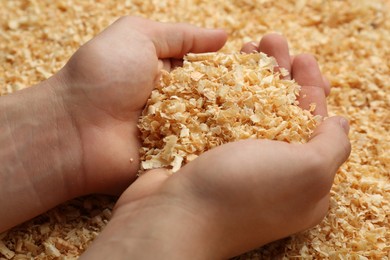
(40, 153)
(66, 135)
(158, 226)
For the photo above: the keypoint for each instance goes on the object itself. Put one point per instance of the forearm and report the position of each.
(36, 154)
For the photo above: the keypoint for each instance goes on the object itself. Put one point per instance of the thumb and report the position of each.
(174, 40)
(330, 141)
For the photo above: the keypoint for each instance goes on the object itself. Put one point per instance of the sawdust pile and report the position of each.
(351, 41)
(218, 98)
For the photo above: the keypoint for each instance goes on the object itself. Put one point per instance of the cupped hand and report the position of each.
(240, 195)
(107, 83)
(259, 190)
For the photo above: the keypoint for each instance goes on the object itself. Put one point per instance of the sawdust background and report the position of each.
(350, 39)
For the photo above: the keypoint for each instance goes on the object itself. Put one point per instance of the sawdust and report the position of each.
(349, 38)
(217, 98)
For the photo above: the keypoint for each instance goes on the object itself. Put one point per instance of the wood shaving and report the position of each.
(351, 41)
(216, 98)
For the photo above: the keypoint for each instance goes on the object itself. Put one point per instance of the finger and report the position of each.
(306, 72)
(325, 80)
(330, 143)
(276, 45)
(309, 97)
(175, 40)
(250, 47)
(327, 85)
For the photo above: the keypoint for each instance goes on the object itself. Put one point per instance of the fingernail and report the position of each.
(344, 123)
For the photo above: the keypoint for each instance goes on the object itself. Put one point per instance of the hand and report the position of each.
(227, 202)
(108, 82)
(76, 133)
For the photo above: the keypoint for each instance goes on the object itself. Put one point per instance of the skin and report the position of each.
(77, 132)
